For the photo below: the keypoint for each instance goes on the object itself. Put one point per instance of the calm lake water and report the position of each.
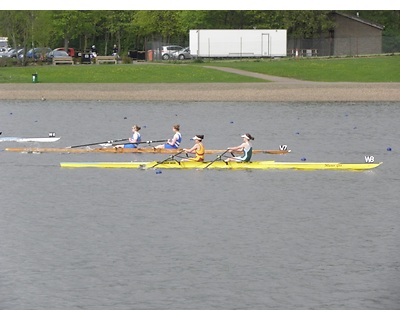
(134, 239)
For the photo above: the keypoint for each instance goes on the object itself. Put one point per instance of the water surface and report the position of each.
(187, 239)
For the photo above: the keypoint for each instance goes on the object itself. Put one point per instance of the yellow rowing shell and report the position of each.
(125, 150)
(263, 165)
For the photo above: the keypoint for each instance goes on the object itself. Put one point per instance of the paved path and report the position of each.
(258, 75)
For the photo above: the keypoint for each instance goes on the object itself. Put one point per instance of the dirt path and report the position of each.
(278, 89)
(259, 75)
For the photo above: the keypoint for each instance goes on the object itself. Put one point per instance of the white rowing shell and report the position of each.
(49, 139)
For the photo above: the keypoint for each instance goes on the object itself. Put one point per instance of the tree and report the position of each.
(19, 26)
(117, 26)
(65, 26)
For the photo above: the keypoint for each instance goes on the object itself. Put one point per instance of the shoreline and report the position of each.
(276, 91)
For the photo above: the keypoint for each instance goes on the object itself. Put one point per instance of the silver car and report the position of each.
(3, 51)
(183, 54)
(167, 52)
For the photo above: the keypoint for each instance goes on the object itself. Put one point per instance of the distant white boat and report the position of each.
(51, 138)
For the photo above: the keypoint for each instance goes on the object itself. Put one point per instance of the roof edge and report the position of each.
(358, 19)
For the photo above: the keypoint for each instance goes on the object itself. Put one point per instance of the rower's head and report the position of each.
(136, 127)
(247, 136)
(198, 137)
(176, 127)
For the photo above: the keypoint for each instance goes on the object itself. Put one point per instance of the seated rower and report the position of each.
(198, 149)
(246, 147)
(174, 142)
(133, 142)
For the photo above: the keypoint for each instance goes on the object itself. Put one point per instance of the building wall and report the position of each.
(349, 37)
(353, 38)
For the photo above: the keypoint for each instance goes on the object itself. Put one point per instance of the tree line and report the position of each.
(128, 29)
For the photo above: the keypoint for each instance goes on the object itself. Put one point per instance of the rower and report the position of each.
(198, 149)
(174, 142)
(133, 142)
(246, 147)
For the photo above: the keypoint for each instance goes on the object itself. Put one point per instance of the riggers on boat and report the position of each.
(256, 165)
(125, 150)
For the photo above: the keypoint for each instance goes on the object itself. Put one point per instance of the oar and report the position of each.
(94, 143)
(218, 157)
(149, 142)
(169, 158)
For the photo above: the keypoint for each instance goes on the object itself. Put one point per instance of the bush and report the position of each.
(8, 62)
(126, 60)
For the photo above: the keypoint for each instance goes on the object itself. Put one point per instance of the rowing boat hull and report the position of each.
(125, 150)
(257, 165)
(16, 139)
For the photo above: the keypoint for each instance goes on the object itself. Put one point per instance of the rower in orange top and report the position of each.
(197, 149)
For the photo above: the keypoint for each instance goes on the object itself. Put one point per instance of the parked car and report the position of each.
(55, 53)
(13, 53)
(3, 52)
(37, 53)
(70, 51)
(183, 54)
(168, 51)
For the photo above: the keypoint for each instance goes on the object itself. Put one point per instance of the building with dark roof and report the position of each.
(353, 35)
(350, 36)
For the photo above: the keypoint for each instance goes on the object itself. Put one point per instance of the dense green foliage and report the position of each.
(367, 69)
(135, 29)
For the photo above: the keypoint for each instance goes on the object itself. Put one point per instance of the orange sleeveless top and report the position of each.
(199, 153)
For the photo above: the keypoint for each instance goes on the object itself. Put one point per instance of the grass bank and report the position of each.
(366, 69)
(121, 73)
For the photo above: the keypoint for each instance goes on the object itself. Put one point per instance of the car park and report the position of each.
(183, 54)
(168, 51)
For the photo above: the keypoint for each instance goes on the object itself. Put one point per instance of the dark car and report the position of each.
(70, 51)
(13, 53)
(55, 53)
(37, 53)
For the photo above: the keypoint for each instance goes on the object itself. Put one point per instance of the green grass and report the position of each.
(366, 69)
(122, 73)
(363, 69)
